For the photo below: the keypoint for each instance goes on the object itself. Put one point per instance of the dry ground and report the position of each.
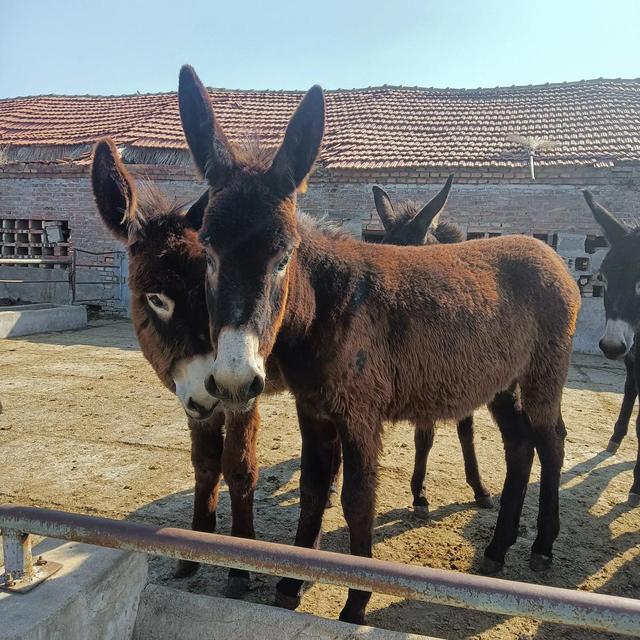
(87, 427)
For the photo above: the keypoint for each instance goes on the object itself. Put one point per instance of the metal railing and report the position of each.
(71, 279)
(549, 604)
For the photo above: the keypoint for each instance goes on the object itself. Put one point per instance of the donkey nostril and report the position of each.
(194, 406)
(211, 387)
(257, 387)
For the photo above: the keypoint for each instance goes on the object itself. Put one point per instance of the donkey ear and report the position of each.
(113, 189)
(294, 160)
(195, 213)
(209, 146)
(384, 207)
(614, 229)
(426, 216)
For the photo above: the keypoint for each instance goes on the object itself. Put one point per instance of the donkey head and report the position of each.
(410, 226)
(620, 275)
(166, 277)
(249, 233)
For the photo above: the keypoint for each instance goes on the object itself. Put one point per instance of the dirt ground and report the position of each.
(87, 427)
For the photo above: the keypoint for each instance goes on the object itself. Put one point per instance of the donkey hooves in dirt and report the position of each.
(613, 446)
(490, 567)
(634, 499)
(285, 601)
(353, 618)
(237, 586)
(540, 562)
(421, 511)
(185, 569)
(485, 502)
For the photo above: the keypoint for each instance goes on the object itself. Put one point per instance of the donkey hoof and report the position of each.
(613, 446)
(485, 502)
(353, 617)
(185, 569)
(236, 587)
(539, 562)
(285, 601)
(634, 499)
(421, 511)
(490, 567)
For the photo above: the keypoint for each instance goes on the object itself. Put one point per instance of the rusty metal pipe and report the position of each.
(548, 604)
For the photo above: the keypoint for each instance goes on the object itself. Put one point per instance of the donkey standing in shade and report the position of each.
(411, 225)
(620, 275)
(365, 332)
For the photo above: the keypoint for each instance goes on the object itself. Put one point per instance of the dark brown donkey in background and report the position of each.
(412, 225)
(366, 332)
(166, 278)
(620, 275)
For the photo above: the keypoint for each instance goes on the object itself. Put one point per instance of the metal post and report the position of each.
(18, 562)
(20, 573)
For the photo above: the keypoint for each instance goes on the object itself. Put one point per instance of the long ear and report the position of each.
(302, 140)
(613, 228)
(209, 146)
(384, 207)
(195, 213)
(113, 189)
(423, 219)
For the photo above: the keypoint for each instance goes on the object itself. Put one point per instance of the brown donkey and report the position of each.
(166, 278)
(620, 274)
(412, 225)
(364, 333)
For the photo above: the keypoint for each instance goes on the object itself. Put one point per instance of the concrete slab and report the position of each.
(167, 614)
(94, 596)
(28, 319)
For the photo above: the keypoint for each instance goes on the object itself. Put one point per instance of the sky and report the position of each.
(115, 47)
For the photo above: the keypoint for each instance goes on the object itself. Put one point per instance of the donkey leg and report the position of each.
(332, 499)
(319, 439)
(628, 401)
(634, 494)
(206, 457)
(423, 438)
(550, 447)
(518, 448)
(358, 505)
(471, 468)
(240, 470)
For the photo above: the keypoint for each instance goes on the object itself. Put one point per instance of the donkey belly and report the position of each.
(450, 380)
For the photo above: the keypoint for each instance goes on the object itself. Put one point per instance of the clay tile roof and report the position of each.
(594, 122)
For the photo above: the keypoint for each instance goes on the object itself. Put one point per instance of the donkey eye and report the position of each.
(161, 304)
(282, 265)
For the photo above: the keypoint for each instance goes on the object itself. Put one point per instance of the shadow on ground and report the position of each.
(588, 566)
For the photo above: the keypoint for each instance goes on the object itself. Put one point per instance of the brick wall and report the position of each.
(482, 201)
(63, 192)
(505, 201)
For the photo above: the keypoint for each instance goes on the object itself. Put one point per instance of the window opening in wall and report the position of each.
(592, 243)
(582, 264)
(24, 238)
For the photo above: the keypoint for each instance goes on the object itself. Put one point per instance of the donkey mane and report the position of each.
(154, 202)
(443, 232)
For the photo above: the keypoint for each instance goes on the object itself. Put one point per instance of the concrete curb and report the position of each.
(93, 597)
(167, 614)
(26, 320)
